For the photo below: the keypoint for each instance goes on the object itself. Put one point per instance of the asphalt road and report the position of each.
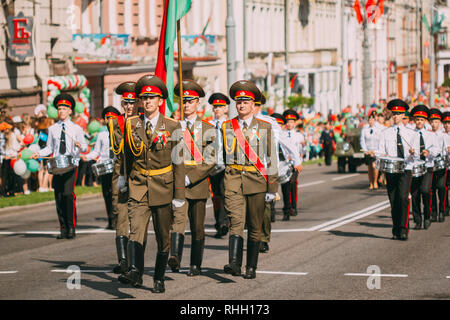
(331, 250)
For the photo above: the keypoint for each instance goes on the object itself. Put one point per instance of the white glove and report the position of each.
(177, 203)
(121, 184)
(186, 181)
(270, 197)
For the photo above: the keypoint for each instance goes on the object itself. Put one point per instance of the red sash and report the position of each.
(193, 149)
(121, 122)
(248, 150)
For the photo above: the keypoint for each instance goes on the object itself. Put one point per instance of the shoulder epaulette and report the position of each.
(263, 121)
(207, 122)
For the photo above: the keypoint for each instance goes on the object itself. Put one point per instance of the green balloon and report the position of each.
(103, 128)
(26, 154)
(94, 139)
(93, 127)
(32, 165)
(79, 107)
(52, 112)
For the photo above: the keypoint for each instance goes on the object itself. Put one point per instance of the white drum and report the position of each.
(102, 168)
(439, 163)
(419, 168)
(60, 164)
(285, 171)
(390, 164)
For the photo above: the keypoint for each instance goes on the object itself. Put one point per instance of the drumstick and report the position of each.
(70, 136)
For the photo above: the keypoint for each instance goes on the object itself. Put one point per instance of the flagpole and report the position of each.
(180, 70)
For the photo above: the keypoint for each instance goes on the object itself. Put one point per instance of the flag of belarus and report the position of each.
(174, 10)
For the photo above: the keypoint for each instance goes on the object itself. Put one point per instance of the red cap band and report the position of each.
(446, 119)
(420, 114)
(244, 93)
(280, 121)
(150, 90)
(190, 94)
(128, 95)
(111, 114)
(64, 103)
(219, 102)
(398, 109)
(290, 117)
(435, 116)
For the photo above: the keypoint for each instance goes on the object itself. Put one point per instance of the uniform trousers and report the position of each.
(195, 209)
(290, 193)
(120, 208)
(244, 208)
(328, 153)
(139, 215)
(398, 187)
(218, 190)
(106, 181)
(267, 223)
(421, 193)
(63, 186)
(439, 191)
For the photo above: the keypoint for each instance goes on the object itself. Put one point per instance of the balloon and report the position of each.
(79, 107)
(35, 139)
(11, 163)
(34, 148)
(52, 112)
(28, 139)
(93, 127)
(33, 165)
(103, 128)
(26, 175)
(26, 154)
(20, 167)
(94, 139)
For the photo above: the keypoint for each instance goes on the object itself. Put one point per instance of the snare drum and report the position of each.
(60, 164)
(102, 168)
(439, 163)
(390, 164)
(285, 171)
(418, 169)
(447, 160)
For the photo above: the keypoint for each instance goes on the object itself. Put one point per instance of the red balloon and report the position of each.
(12, 163)
(29, 138)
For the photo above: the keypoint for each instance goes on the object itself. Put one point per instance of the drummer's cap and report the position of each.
(290, 115)
(151, 86)
(420, 111)
(110, 111)
(127, 91)
(191, 90)
(278, 117)
(407, 115)
(243, 90)
(218, 99)
(446, 116)
(435, 114)
(262, 101)
(397, 106)
(64, 100)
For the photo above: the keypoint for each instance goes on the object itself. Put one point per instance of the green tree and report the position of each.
(299, 101)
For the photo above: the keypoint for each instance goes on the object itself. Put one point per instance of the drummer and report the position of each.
(65, 138)
(103, 150)
(421, 186)
(399, 141)
(369, 144)
(439, 174)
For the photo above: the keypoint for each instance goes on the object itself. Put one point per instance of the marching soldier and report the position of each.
(65, 139)
(399, 141)
(326, 140)
(446, 121)
(103, 151)
(421, 186)
(122, 166)
(439, 176)
(297, 140)
(199, 161)
(248, 182)
(156, 179)
(220, 104)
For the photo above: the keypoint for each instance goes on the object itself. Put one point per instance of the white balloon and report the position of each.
(34, 147)
(26, 175)
(20, 167)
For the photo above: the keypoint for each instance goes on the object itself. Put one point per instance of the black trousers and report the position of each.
(421, 194)
(65, 198)
(106, 181)
(290, 193)
(218, 199)
(328, 152)
(439, 187)
(398, 187)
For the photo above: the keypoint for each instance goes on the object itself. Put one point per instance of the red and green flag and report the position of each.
(174, 10)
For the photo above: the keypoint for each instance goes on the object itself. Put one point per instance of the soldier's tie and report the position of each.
(422, 147)
(148, 130)
(400, 153)
(62, 140)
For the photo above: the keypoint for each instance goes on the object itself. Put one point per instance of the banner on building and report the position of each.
(20, 41)
(101, 47)
(199, 47)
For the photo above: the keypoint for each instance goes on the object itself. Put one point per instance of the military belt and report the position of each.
(191, 163)
(154, 172)
(243, 168)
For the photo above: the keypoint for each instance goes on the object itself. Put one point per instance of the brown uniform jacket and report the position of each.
(203, 135)
(161, 188)
(260, 137)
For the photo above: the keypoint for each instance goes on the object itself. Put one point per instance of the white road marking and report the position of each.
(8, 272)
(345, 177)
(376, 275)
(284, 273)
(311, 183)
(82, 271)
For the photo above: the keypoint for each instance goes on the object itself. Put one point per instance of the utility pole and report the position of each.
(367, 64)
(231, 52)
(432, 57)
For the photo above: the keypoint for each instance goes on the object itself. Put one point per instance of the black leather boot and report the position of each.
(176, 251)
(136, 264)
(121, 246)
(252, 259)
(62, 234)
(441, 217)
(236, 247)
(71, 233)
(160, 269)
(196, 257)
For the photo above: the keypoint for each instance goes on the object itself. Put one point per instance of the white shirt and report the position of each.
(248, 121)
(441, 143)
(446, 136)
(388, 144)
(370, 138)
(102, 147)
(153, 121)
(73, 133)
(431, 144)
(293, 139)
